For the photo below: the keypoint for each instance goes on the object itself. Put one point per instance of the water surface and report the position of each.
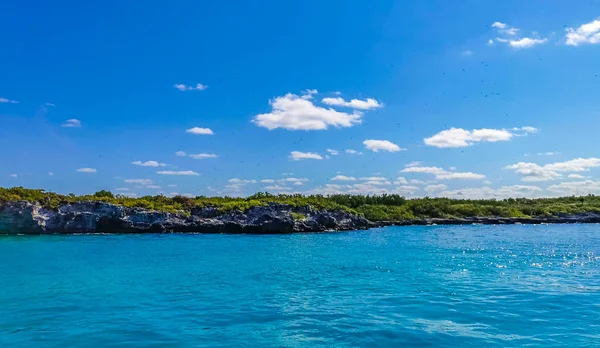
(467, 286)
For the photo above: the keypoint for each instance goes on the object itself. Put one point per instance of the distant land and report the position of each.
(35, 211)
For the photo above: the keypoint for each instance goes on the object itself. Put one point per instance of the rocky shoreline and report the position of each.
(21, 217)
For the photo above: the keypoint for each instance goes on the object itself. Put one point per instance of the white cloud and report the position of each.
(203, 155)
(401, 181)
(50, 173)
(535, 172)
(487, 182)
(575, 176)
(296, 113)
(267, 181)
(180, 153)
(292, 179)
(149, 164)
(458, 137)
(418, 182)
(180, 172)
(277, 188)
(442, 174)
(383, 145)
(49, 104)
(333, 152)
(156, 187)
(241, 181)
(13, 175)
(490, 42)
(414, 164)
(526, 42)
(364, 189)
(200, 131)
(486, 192)
(373, 178)
(197, 87)
(86, 170)
(138, 181)
(499, 25)
(588, 33)
(298, 183)
(297, 155)
(575, 188)
(549, 153)
(433, 188)
(353, 152)
(467, 53)
(367, 104)
(72, 123)
(10, 101)
(122, 189)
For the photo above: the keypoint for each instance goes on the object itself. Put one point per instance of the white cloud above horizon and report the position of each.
(72, 123)
(459, 137)
(534, 172)
(203, 155)
(381, 145)
(200, 131)
(9, 101)
(86, 170)
(149, 164)
(588, 33)
(297, 155)
(509, 34)
(442, 174)
(293, 112)
(366, 104)
(179, 172)
(183, 87)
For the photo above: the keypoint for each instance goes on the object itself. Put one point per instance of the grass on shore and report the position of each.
(375, 208)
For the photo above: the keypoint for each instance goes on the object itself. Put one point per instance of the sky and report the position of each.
(461, 99)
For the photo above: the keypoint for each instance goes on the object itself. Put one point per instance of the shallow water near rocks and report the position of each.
(418, 286)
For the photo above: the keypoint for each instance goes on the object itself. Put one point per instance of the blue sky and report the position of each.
(443, 98)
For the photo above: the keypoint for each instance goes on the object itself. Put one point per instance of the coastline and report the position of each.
(23, 217)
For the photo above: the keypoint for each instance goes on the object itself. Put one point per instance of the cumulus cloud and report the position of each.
(401, 181)
(267, 181)
(179, 172)
(366, 188)
(526, 42)
(10, 101)
(86, 170)
(367, 104)
(575, 176)
(353, 152)
(588, 33)
(381, 145)
(197, 87)
(72, 123)
(487, 192)
(139, 181)
(442, 174)
(433, 188)
(576, 188)
(297, 155)
(535, 172)
(241, 181)
(180, 153)
(149, 164)
(333, 152)
(373, 178)
(508, 34)
(203, 155)
(458, 137)
(292, 112)
(200, 131)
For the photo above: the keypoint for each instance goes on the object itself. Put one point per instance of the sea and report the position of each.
(417, 286)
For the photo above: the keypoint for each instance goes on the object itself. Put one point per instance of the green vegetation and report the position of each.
(374, 208)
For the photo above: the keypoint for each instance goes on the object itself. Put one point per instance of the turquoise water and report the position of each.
(467, 286)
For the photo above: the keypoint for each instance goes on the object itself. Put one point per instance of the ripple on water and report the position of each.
(413, 286)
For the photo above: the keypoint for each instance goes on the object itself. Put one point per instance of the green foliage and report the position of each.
(375, 208)
(298, 216)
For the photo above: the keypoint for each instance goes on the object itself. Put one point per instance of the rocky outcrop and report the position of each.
(21, 217)
(561, 219)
